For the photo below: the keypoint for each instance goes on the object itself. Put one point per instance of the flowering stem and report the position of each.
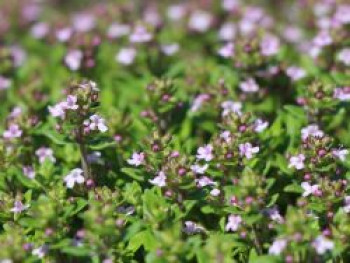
(84, 162)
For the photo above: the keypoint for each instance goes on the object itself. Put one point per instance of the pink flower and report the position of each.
(322, 39)
(58, 110)
(204, 181)
(41, 251)
(233, 223)
(340, 154)
(226, 136)
(44, 153)
(309, 189)
(13, 132)
(200, 21)
(116, 30)
(96, 122)
(344, 56)
(18, 207)
(71, 103)
(249, 86)
(137, 159)
(198, 101)
(227, 50)
(5, 83)
(227, 31)
(176, 12)
(269, 45)
(342, 94)
(278, 246)
(64, 34)
(170, 49)
(83, 22)
(297, 161)
(73, 59)
(140, 35)
(229, 5)
(192, 228)
(205, 153)
(159, 180)
(28, 171)
(126, 56)
(295, 73)
(231, 107)
(342, 14)
(322, 245)
(74, 177)
(39, 30)
(198, 169)
(346, 208)
(247, 150)
(311, 130)
(215, 192)
(260, 125)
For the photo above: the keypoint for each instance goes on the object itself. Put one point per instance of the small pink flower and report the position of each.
(140, 35)
(19, 207)
(58, 110)
(96, 122)
(73, 59)
(346, 208)
(226, 136)
(159, 180)
(28, 171)
(116, 30)
(41, 251)
(322, 245)
(44, 153)
(249, 86)
(247, 150)
(64, 34)
(74, 177)
(198, 101)
(229, 5)
(83, 22)
(5, 83)
(200, 21)
(205, 153)
(342, 94)
(71, 103)
(227, 50)
(39, 30)
(269, 45)
(137, 159)
(311, 130)
(277, 246)
(233, 223)
(192, 228)
(227, 31)
(176, 12)
(260, 125)
(322, 39)
(309, 189)
(204, 181)
(344, 56)
(126, 56)
(297, 161)
(13, 132)
(295, 73)
(340, 154)
(198, 169)
(170, 49)
(215, 192)
(231, 107)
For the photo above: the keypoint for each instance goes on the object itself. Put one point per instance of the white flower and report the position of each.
(340, 153)
(170, 49)
(137, 159)
(247, 150)
(159, 180)
(126, 56)
(205, 153)
(249, 86)
(74, 177)
(96, 122)
(230, 106)
(278, 246)
(233, 223)
(311, 130)
(321, 245)
(297, 161)
(200, 21)
(346, 208)
(309, 189)
(198, 169)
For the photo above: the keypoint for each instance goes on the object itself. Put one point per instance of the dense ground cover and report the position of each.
(155, 131)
